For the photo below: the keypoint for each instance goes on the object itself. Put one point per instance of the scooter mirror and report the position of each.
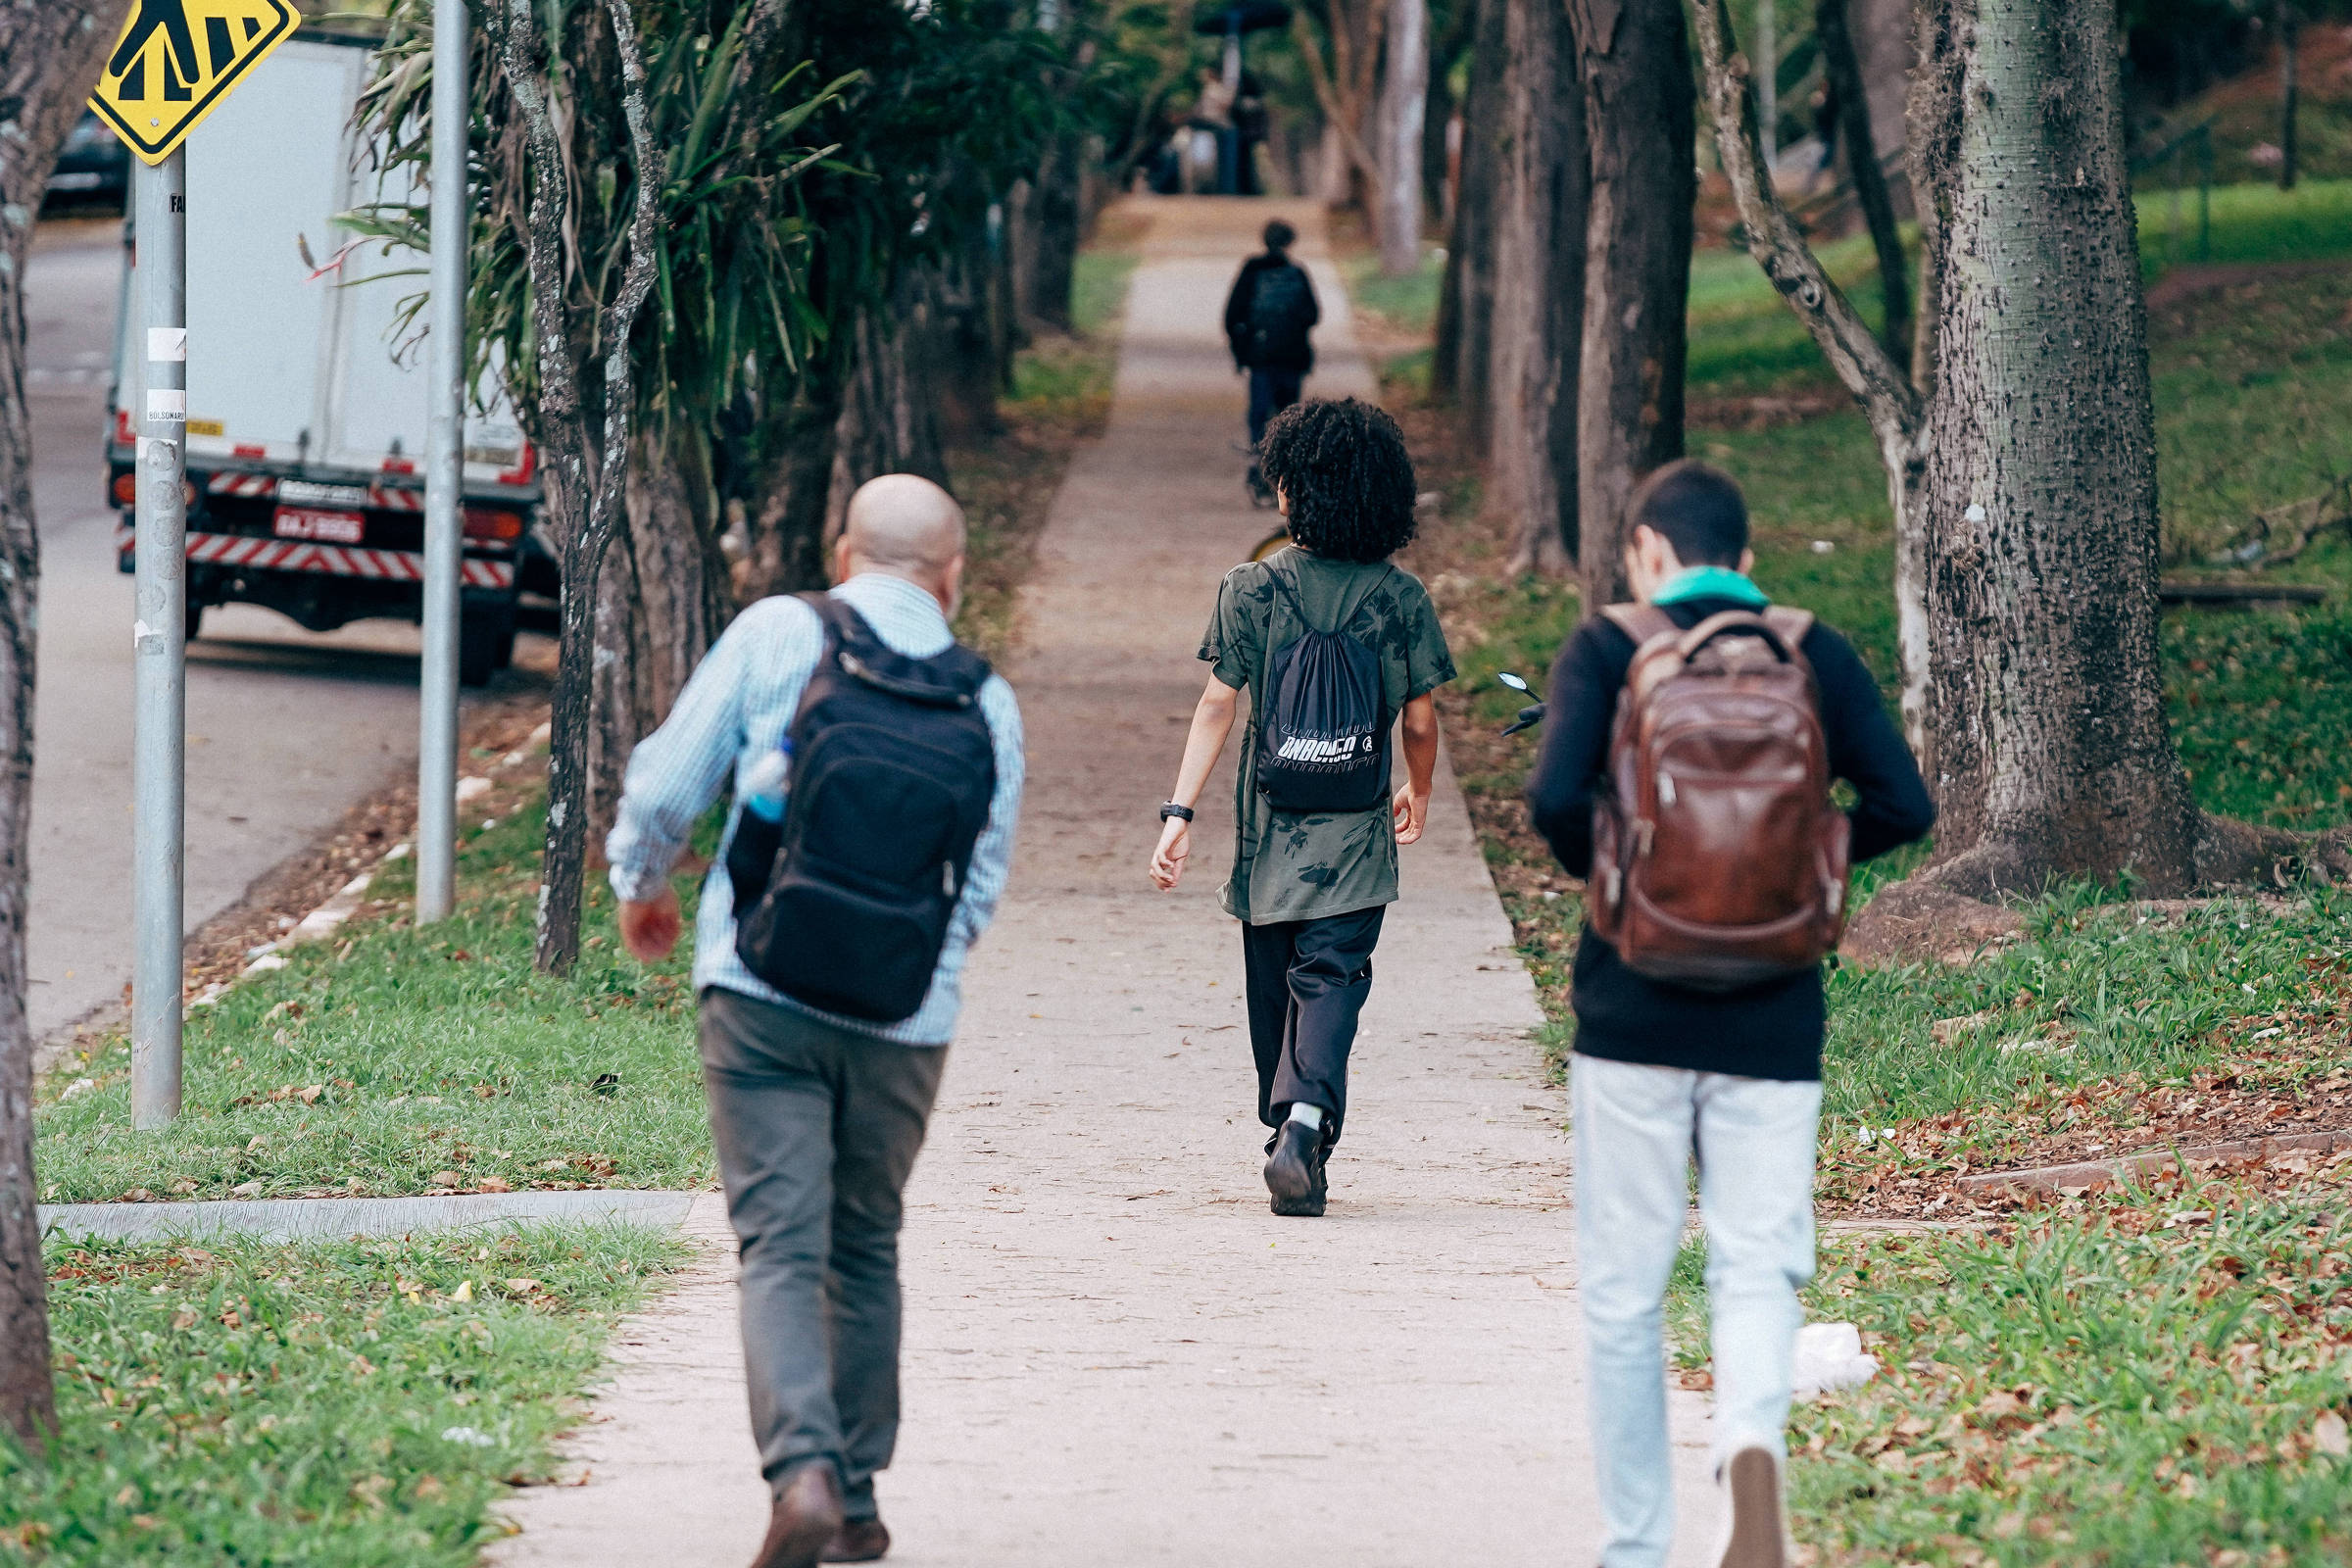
(1514, 682)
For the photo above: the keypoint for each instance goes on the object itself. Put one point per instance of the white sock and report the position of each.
(1301, 1112)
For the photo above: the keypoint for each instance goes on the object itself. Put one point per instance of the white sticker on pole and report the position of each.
(168, 402)
(167, 345)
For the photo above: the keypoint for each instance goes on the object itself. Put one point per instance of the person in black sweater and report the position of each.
(1665, 1074)
(1269, 319)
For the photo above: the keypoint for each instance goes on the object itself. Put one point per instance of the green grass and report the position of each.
(1744, 341)
(1057, 375)
(332, 1406)
(1407, 305)
(2159, 1381)
(413, 1055)
(2095, 993)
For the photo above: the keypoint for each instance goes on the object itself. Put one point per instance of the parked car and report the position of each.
(94, 168)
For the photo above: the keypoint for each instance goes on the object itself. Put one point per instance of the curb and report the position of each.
(2084, 1174)
(292, 1219)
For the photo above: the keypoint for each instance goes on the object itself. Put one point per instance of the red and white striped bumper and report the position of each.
(334, 560)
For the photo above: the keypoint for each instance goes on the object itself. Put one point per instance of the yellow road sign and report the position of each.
(179, 58)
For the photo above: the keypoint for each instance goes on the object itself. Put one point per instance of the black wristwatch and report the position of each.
(1172, 810)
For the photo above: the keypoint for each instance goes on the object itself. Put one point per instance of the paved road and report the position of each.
(285, 729)
(1115, 1355)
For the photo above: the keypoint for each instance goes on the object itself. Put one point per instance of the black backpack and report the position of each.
(1281, 308)
(844, 905)
(1323, 720)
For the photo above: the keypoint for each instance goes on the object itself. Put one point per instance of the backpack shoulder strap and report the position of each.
(1641, 622)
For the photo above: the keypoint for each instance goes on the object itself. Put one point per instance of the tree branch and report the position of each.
(1861, 361)
(1334, 109)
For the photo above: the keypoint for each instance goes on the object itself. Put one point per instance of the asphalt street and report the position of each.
(287, 730)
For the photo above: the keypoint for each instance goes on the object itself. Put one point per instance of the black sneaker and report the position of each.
(1261, 494)
(1294, 1170)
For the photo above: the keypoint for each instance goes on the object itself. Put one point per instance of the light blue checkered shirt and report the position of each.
(733, 712)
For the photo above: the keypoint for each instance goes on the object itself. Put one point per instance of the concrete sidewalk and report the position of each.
(1114, 1354)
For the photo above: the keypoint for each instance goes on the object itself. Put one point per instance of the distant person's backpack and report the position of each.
(844, 904)
(1323, 720)
(1282, 309)
(1718, 860)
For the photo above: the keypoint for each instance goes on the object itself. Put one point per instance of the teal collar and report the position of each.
(1710, 582)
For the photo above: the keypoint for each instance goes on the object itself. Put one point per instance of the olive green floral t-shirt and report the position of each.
(1304, 865)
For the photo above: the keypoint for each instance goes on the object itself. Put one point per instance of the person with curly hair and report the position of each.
(1311, 887)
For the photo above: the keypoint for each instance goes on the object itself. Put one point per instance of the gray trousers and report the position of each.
(817, 1129)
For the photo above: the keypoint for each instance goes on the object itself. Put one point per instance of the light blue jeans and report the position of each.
(1638, 1129)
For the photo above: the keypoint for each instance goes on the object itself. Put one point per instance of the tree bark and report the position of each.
(1052, 217)
(663, 597)
(586, 512)
(2290, 93)
(787, 518)
(1404, 104)
(1540, 271)
(1886, 34)
(1639, 109)
(49, 60)
(1347, 89)
(1893, 405)
(889, 420)
(1465, 328)
(1844, 69)
(2051, 754)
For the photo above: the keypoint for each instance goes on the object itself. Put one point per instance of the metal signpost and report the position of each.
(159, 639)
(176, 60)
(444, 473)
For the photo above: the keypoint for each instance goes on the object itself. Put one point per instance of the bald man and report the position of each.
(818, 1117)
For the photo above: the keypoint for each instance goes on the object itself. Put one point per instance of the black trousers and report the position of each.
(1307, 981)
(1270, 392)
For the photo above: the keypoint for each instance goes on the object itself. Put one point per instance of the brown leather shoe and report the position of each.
(807, 1516)
(858, 1541)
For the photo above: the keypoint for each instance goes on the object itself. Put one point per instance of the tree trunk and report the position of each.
(663, 599)
(1640, 107)
(1048, 242)
(1539, 289)
(1891, 402)
(2050, 751)
(786, 521)
(1404, 104)
(2289, 90)
(1844, 69)
(1886, 35)
(49, 60)
(889, 420)
(1465, 328)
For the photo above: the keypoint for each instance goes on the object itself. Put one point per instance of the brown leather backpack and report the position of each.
(1718, 860)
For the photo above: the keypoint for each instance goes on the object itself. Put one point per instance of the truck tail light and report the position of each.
(126, 490)
(482, 522)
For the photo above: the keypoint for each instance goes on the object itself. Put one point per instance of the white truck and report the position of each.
(307, 407)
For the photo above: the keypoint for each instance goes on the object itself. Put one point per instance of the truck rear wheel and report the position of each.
(193, 618)
(485, 644)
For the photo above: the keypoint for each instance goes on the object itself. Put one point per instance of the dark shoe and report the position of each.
(1294, 1170)
(858, 1541)
(1261, 494)
(807, 1516)
(1755, 1533)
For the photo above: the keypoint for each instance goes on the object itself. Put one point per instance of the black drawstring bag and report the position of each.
(1323, 720)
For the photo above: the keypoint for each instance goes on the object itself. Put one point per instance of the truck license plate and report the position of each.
(327, 527)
